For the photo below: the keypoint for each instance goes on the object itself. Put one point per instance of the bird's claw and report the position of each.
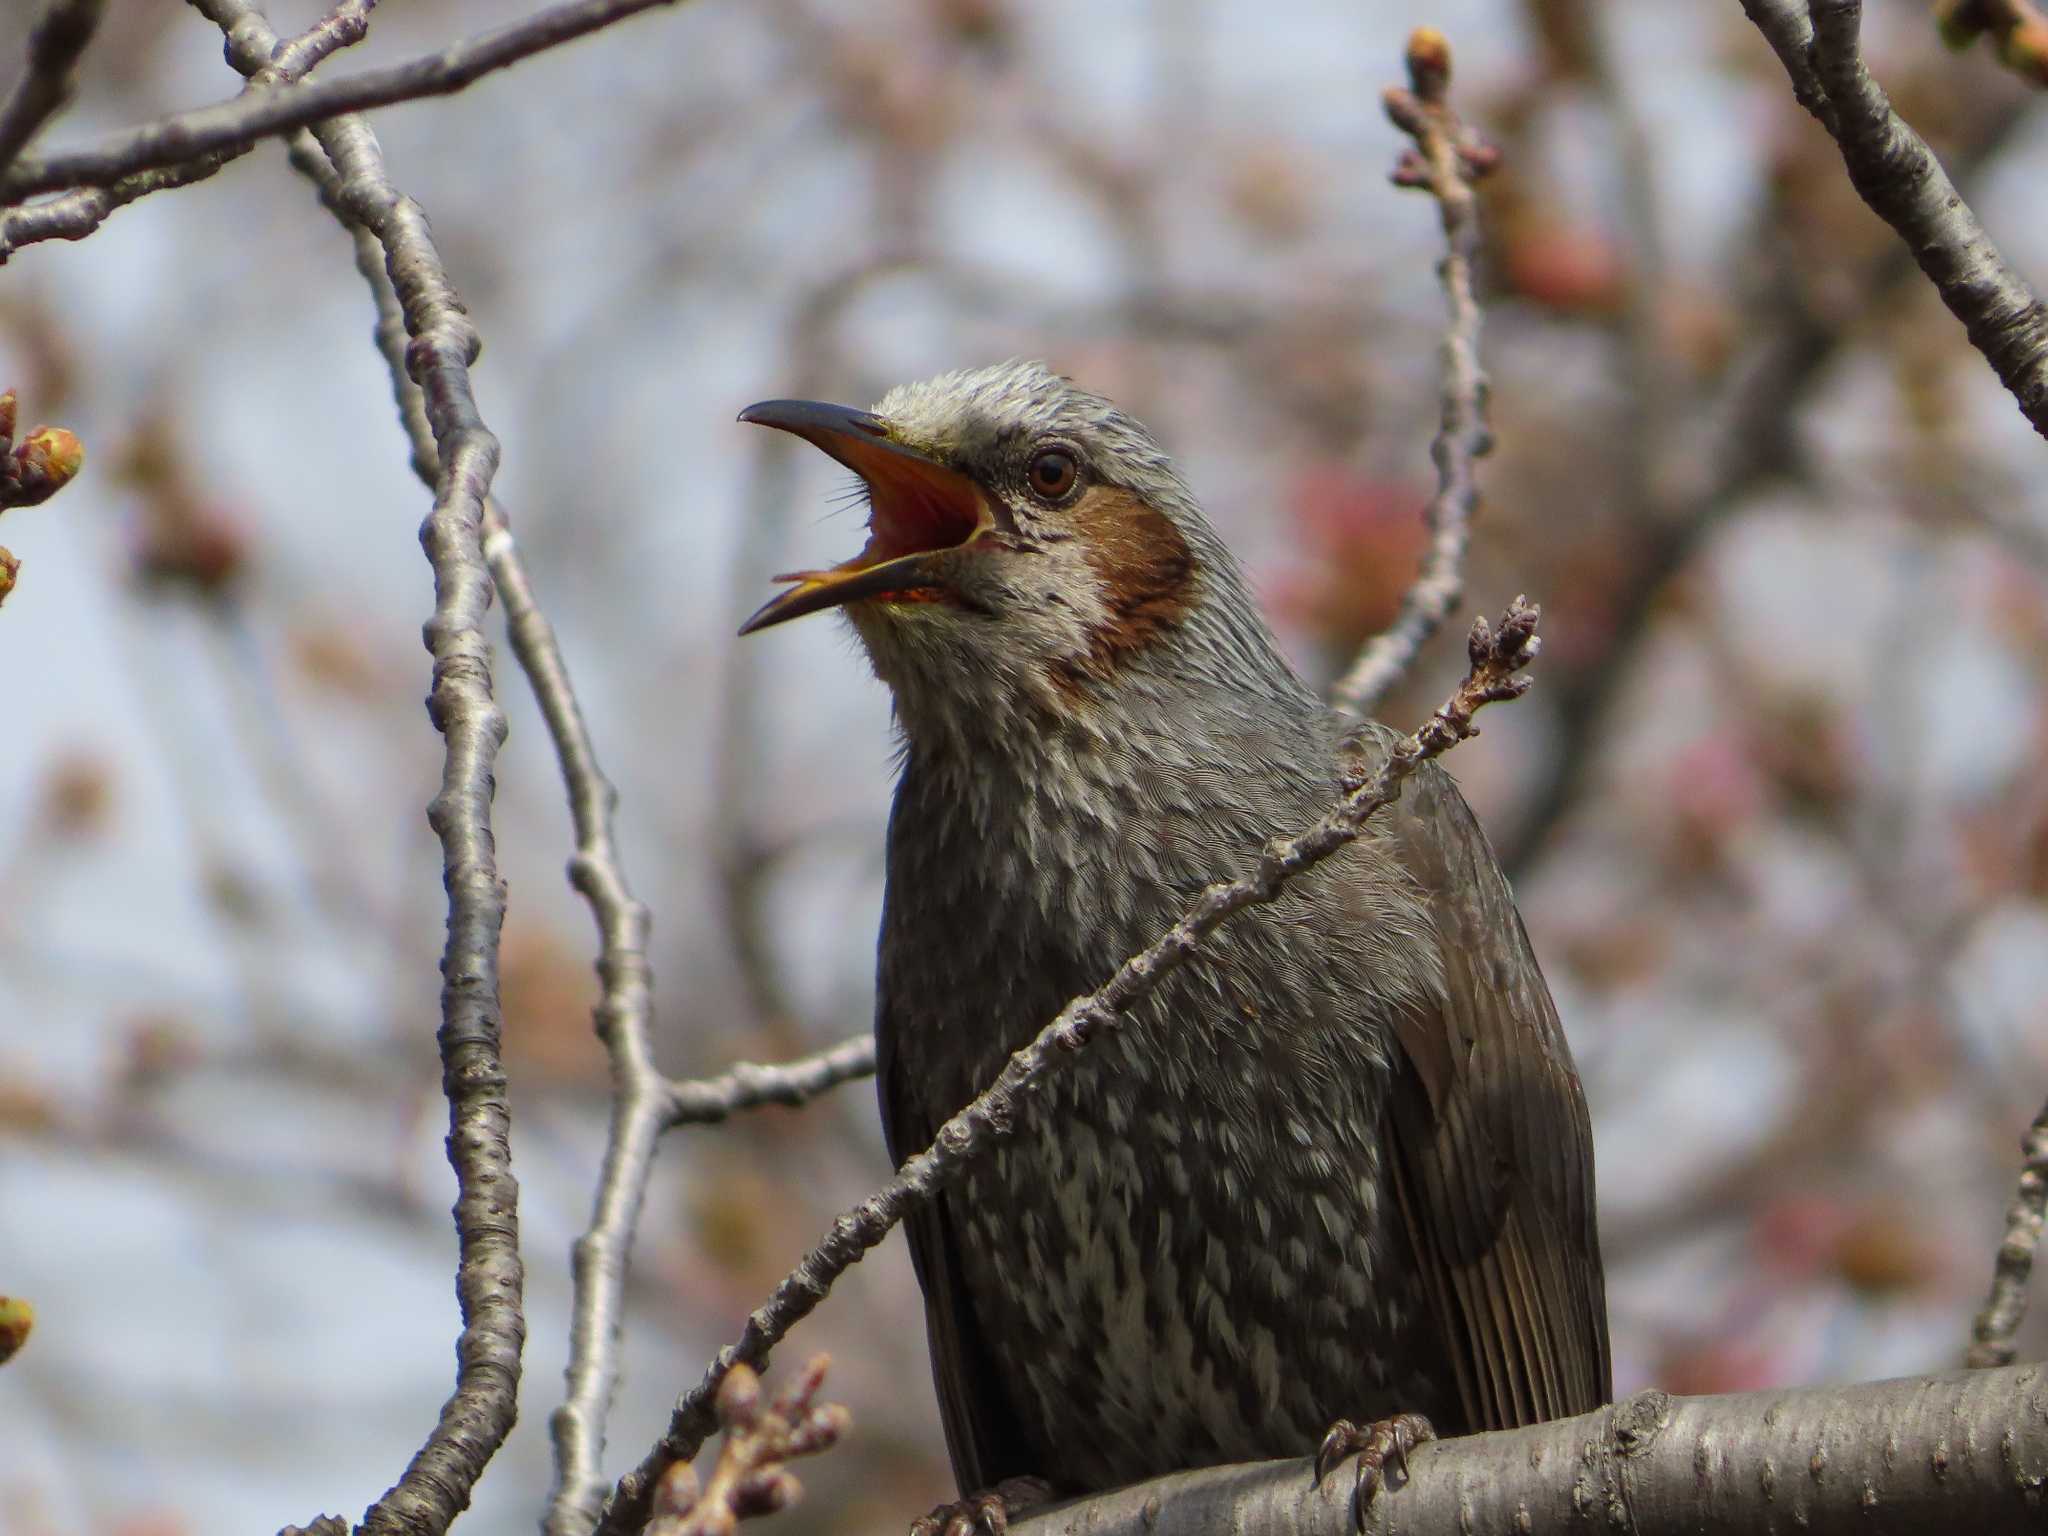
(986, 1513)
(1380, 1446)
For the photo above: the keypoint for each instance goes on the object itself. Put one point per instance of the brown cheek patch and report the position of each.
(1147, 575)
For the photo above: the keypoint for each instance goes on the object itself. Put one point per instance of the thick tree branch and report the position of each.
(1991, 1338)
(1967, 1451)
(56, 38)
(1895, 172)
(232, 126)
(1446, 160)
(1496, 657)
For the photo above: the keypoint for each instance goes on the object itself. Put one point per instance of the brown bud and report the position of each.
(9, 568)
(8, 405)
(2025, 49)
(77, 795)
(677, 1492)
(983, 23)
(765, 1491)
(739, 1398)
(1429, 64)
(806, 1385)
(48, 459)
(17, 1322)
(185, 542)
(821, 1429)
(1960, 22)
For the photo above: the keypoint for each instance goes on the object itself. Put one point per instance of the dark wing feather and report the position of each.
(982, 1434)
(1491, 1146)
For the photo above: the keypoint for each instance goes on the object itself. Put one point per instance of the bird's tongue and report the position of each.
(907, 516)
(912, 517)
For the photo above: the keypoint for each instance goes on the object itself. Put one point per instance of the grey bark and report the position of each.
(1966, 1452)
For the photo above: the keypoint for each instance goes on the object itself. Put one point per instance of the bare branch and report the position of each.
(641, 1099)
(55, 41)
(1895, 172)
(1750, 442)
(1446, 160)
(1889, 1458)
(236, 124)
(624, 1020)
(77, 214)
(749, 1085)
(1991, 1337)
(489, 1279)
(1496, 657)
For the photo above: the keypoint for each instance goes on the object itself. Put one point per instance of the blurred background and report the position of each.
(1775, 809)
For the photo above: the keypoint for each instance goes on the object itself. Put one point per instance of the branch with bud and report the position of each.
(1445, 160)
(31, 471)
(751, 1476)
(1820, 45)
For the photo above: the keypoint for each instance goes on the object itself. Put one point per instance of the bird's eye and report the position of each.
(1053, 473)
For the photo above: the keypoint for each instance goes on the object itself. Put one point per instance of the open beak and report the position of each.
(918, 508)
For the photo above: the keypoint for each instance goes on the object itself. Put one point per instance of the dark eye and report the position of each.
(1053, 473)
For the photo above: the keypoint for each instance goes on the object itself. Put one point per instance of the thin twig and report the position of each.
(750, 1085)
(624, 1021)
(1895, 172)
(1445, 161)
(1496, 656)
(489, 1279)
(78, 213)
(1991, 1337)
(55, 41)
(238, 123)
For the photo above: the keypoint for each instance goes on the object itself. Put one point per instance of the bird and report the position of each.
(1331, 1182)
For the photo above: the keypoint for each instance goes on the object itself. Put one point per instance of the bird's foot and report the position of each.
(986, 1513)
(1381, 1447)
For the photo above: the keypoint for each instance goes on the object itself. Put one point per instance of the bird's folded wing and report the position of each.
(1491, 1145)
(982, 1435)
